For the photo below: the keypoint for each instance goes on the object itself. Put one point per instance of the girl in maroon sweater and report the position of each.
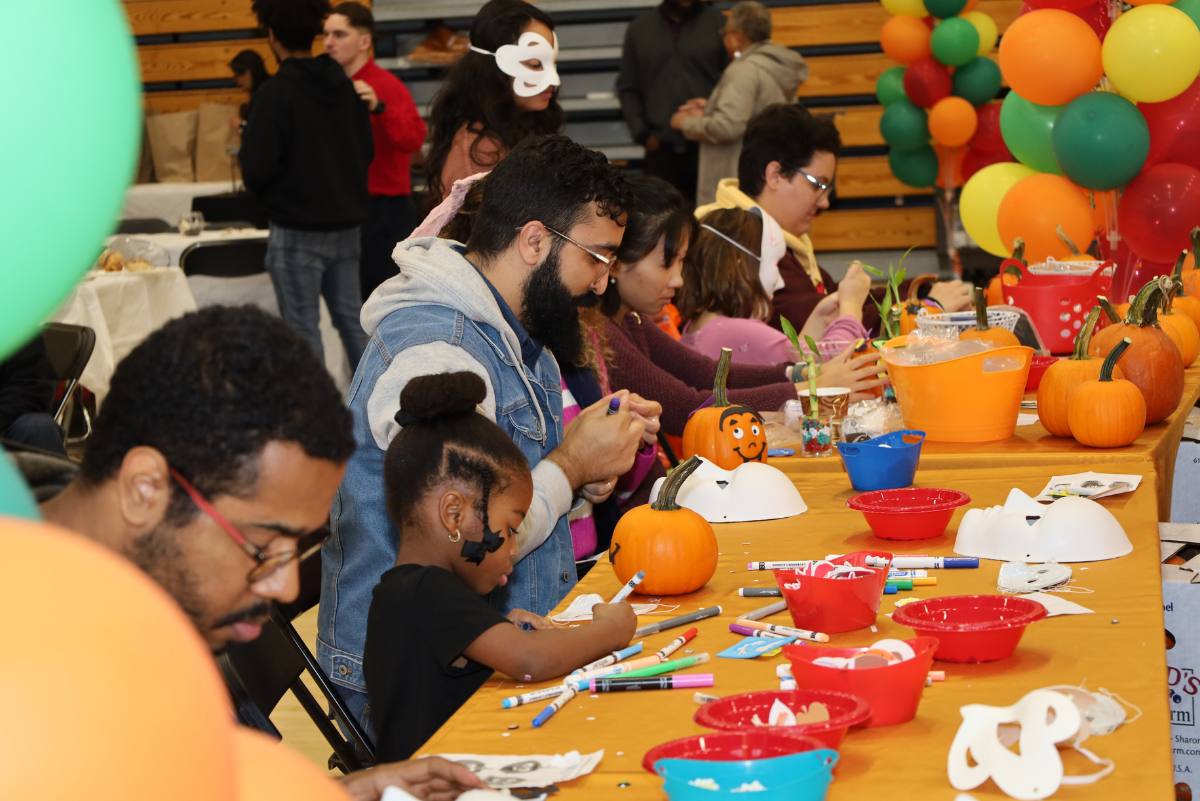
(650, 363)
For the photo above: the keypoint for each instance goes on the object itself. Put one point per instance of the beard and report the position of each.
(551, 314)
(159, 556)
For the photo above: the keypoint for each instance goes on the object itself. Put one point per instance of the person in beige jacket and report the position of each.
(762, 73)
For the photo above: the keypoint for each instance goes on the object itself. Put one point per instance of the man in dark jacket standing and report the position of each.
(305, 152)
(672, 54)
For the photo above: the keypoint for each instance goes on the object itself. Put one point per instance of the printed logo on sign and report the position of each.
(1182, 686)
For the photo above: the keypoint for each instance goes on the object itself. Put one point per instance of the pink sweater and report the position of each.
(755, 342)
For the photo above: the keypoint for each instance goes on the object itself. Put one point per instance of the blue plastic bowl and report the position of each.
(886, 462)
(797, 777)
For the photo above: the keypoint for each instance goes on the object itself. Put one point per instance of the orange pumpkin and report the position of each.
(1152, 361)
(913, 305)
(1191, 276)
(1009, 274)
(675, 547)
(997, 336)
(724, 434)
(1179, 327)
(1061, 378)
(1105, 412)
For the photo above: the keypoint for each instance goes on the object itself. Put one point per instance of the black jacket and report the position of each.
(307, 146)
(26, 383)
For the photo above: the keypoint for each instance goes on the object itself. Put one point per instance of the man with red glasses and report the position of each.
(213, 461)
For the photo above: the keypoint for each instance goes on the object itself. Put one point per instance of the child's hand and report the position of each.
(620, 618)
(526, 620)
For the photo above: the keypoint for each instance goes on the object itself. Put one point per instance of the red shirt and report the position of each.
(399, 132)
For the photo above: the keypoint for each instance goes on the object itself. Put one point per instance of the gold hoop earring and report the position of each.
(456, 536)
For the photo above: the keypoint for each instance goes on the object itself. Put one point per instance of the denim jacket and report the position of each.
(439, 315)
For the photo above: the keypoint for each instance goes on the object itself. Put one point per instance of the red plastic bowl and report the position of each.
(836, 605)
(892, 691)
(733, 746)
(971, 628)
(735, 713)
(909, 514)
(1037, 368)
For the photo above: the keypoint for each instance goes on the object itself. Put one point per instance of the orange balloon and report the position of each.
(952, 121)
(110, 690)
(1035, 207)
(905, 39)
(1050, 56)
(950, 161)
(268, 770)
(970, 6)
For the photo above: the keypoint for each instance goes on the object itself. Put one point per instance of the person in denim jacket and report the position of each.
(503, 306)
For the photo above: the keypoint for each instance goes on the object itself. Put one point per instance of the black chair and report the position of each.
(259, 673)
(222, 225)
(68, 349)
(232, 259)
(144, 225)
(231, 206)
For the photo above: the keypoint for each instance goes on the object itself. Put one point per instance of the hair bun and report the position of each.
(428, 398)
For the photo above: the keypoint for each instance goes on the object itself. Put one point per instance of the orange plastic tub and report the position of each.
(958, 400)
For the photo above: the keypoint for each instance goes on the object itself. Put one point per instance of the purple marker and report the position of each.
(614, 405)
(683, 681)
(746, 631)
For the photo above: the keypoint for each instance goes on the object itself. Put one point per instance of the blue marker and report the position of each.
(614, 405)
(776, 452)
(612, 659)
(935, 562)
(558, 703)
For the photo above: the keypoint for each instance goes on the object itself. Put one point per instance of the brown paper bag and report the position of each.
(214, 134)
(145, 169)
(172, 141)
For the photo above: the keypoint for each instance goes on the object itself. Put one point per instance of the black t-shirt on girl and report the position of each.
(422, 618)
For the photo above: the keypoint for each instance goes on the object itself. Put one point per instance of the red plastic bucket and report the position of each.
(971, 628)
(914, 513)
(834, 605)
(1058, 303)
(1037, 368)
(733, 746)
(892, 691)
(736, 713)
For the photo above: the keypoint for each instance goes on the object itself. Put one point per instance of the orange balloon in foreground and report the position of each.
(108, 691)
(1035, 207)
(905, 39)
(1050, 56)
(268, 770)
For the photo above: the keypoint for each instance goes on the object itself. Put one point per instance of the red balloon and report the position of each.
(976, 160)
(987, 138)
(1132, 271)
(1175, 128)
(1158, 210)
(1096, 14)
(926, 82)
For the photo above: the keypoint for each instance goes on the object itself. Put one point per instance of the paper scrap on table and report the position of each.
(500, 771)
(1089, 485)
(1056, 605)
(781, 714)
(752, 647)
(1026, 419)
(581, 608)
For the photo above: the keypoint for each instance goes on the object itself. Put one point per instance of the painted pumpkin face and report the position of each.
(744, 433)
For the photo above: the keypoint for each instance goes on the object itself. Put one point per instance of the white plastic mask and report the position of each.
(1035, 771)
(511, 59)
(1018, 577)
(1071, 529)
(752, 491)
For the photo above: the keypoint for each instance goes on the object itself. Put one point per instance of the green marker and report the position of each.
(901, 584)
(656, 670)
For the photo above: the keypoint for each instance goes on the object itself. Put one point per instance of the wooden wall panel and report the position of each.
(188, 99)
(870, 176)
(858, 125)
(855, 23)
(875, 229)
(150, 17)
(196, 61)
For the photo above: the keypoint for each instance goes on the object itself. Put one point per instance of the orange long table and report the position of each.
(1119, 647)
(1033, 447)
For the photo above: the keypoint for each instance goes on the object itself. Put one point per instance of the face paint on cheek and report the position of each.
(475, 552)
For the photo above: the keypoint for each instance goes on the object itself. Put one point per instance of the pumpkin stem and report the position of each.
(1109, 311)
(1177, 273)
(674, 481)
(1083, 339)
(1061, 233)
(1110, 361)
(720, 393)
(981, 323)
(1196, 246)
(1018, 250)
(1169, 288)
(1143, 311)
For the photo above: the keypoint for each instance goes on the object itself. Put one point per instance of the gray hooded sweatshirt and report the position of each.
(764, 74)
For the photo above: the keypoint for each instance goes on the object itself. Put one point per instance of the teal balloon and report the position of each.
(954, 42)
(978, 80)
(1027, 129)
(917, 167)
(1101, 140)
(15, 498)
(1191, 8)
(68, 148)
(904, 126)
(890, 86)
(944, 8)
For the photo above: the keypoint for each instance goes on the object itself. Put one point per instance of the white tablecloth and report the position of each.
(175, 244)
(167, 201)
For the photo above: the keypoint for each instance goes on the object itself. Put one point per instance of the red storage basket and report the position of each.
(1058, 303)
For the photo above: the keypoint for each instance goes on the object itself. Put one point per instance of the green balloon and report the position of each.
(15, 498)
(917, 167)
(1027, 129)
(1101, 140)
(954, 42)
(890, 86)
(978, 80)
(904, 126)
(1191, 8)
(68, 149)
(944, 8)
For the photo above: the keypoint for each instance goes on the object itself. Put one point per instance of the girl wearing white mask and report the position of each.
(498, 93)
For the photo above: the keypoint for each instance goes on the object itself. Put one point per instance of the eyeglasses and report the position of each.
(265, 564)
(607, 261)
(821, 186)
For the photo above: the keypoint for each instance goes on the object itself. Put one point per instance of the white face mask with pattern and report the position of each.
(512, 60)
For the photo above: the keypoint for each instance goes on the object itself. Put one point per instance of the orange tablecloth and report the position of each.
(1120, 647)
(1033, 447)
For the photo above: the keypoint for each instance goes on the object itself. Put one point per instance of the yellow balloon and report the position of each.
(1152, 53)
(986, 26)
(980, 203)
(906, 8)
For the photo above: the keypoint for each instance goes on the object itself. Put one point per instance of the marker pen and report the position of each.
(766, 611)
(613, 658)
(760, 592)
(682, 620)
(629, 587)
(531, 697)
(804, 634)
(677, 643)
(745, 631)
(690, 680)
(646, 672)
(558, 703)
(614, 405)
(948, 562)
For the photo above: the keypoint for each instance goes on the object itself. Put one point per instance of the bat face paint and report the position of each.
(474, 552)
